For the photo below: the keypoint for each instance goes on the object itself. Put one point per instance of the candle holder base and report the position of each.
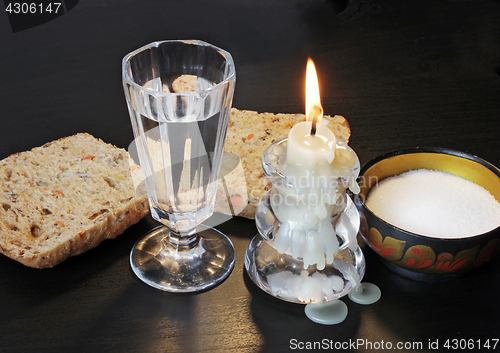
(285, 278)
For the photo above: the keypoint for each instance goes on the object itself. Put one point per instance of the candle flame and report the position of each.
(314, 110)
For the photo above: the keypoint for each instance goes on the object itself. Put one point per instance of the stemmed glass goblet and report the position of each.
(179, 96)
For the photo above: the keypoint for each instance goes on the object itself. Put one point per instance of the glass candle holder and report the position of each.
(306, 250)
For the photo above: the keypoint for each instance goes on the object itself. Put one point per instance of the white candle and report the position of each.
(310, 146)
(310, 151)
(306, 202)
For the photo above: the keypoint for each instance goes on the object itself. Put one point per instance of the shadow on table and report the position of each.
(92, 303)
(27, 288)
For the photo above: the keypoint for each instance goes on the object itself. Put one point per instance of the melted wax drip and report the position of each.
(308, 289)
(329, 313)
(308, 207)
(334, 312)
(316, 288)
(366, 293)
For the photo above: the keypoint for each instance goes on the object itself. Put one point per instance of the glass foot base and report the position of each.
(284, 277)
(163, 266)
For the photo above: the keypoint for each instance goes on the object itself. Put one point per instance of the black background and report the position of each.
(403, 73)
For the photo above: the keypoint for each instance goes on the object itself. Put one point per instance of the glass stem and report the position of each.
(184, 241)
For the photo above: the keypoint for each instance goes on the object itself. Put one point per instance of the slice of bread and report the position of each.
(64, 198)
(250, 133)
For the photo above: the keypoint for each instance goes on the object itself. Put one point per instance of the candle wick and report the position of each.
(313, 127)
(316, 113)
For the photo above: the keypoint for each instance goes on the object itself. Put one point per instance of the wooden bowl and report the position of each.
(417, 256)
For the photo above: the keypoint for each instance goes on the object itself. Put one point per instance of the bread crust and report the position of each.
(64, 198)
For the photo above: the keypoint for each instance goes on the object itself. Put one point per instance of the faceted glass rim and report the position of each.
(230, 75)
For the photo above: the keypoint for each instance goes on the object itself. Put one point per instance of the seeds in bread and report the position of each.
(64, 198)
(250, 133)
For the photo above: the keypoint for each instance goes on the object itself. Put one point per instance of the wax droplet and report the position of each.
(330, 156)
(309, 218)
(315, 251)
(337, 283)
(348, 271)
(298, 241)
(354, 187)
(330, 240)
(320, 211)
(312, 196)
(312, 290)
(327, 313)
(366, 293)
(282, 241)
(325, 286)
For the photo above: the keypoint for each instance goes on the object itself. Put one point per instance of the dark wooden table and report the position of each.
(404, 74)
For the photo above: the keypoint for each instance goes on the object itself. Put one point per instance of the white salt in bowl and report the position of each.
(419, 256)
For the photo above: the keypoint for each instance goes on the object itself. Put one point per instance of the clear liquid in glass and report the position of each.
(179, 162)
